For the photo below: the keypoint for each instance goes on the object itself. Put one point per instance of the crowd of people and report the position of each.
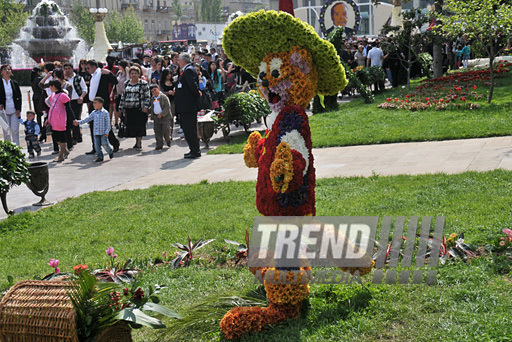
(383, 52)
(169, 89)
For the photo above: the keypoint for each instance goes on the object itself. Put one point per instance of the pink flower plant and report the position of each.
(509, 234)
(55, 264)
(110, 251)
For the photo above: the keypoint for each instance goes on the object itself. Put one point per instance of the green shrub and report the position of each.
(22, 76)
(426, 61)
(13, 167)
(243, 108)
(330, 103)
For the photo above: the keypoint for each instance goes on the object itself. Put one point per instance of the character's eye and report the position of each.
(262, 75)
(276, 74)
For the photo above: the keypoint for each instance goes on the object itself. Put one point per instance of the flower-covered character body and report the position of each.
(291, 67)
(286, 176)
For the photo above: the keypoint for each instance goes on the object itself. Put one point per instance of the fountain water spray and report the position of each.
(48, 36)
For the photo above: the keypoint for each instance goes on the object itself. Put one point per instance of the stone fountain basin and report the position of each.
(39, 47)
(52, 20)
(47, 32)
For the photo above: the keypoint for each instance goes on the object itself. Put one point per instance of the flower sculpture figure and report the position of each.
(292, 65)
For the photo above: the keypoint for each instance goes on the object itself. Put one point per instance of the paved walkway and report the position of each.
(135, 170)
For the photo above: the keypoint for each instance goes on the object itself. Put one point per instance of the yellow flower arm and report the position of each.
(250, 150)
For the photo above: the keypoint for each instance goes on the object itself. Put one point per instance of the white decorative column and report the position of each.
(101, 44)
(396, 14)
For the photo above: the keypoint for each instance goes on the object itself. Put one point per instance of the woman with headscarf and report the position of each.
(135, 103)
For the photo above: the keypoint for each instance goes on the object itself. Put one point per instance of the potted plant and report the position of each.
(13, 170)
(241, 109)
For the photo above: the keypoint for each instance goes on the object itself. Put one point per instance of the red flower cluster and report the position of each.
(471, 75)
(299, 198)
(115, 297)
(79, 268)
(452, 91)
(138, 294)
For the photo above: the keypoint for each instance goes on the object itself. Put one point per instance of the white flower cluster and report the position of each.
(297, 143)
(263, 67)
(275, 64)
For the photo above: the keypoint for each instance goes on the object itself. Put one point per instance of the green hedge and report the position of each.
(22, 76)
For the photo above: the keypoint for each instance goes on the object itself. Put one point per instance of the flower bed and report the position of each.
(457, 90)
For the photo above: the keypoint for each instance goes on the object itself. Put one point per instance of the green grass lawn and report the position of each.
(470, 302)
(357, 123)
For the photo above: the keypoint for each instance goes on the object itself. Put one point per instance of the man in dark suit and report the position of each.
(187, 104)
(99, 86)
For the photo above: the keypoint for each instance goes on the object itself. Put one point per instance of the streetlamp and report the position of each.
(101, 45)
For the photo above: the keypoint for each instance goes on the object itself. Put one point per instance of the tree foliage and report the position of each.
(488, 21)
(125, 27)
(177, 9)
(83, 21)
(12, 19)
(407, 36)
(211, 11)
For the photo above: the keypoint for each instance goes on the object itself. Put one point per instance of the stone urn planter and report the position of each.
(206, 129)
(39, 181)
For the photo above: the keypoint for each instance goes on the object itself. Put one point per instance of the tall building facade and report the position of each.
(158, 16)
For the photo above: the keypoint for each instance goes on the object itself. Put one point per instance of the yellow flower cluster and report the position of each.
(246, 41)
(362, 270)
(285, 303)
(250, 149)
(290, 292)
(281, 170)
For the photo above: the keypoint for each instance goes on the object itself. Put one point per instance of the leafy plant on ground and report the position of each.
(242, 250)
(91, 302)
(502, 243)
(115, 272)
(455, 248)
(132, 303)
(187, 251)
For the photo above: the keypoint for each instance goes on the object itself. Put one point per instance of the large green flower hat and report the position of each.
(249, 38)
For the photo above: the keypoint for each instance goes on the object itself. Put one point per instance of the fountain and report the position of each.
(47, 34)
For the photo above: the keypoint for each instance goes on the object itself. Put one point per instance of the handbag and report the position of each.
(205, 101)
(3, 123)
(121, 133)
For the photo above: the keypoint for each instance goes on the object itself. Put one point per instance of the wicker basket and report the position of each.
(36, 310)
(119, 332)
